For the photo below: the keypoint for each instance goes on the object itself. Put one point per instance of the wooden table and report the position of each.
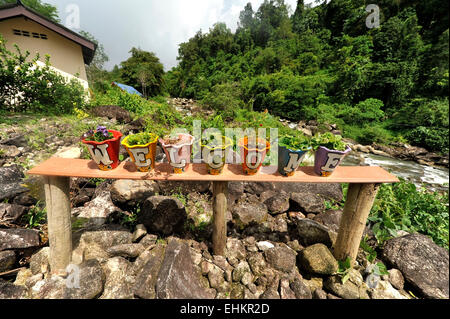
(364, 184)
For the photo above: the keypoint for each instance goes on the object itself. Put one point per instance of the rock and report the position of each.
(69, 152)
(90, 284)
(112, 112)
(10, 151)
(353, 288)
(177, 278)
(319, 294)
(327, 191)
(257, 263)
(145, 286)
(216, 278)
(257, 188)
(98, 210)
(22, 276)
(242, 273)
(278, 224)
(11, 213)
(11, 291)
(148, 240)
(235, 191)
(311, 232)
(161, 214)
(309, 203)
(18, 238)
(424, 264)
(126, 250)
(33, 280)
(264, 245)
(281, 258)
(313, 283)
(119, 279)
(295, 245)
(396, 279)
(15, 139)
(185, 187)
(277, 204)
(39, 262)
(139, 233)
(317, 259)
(331, 219)
(285, 290)
(7, 260)
(384, 290)
(129, 193)
(24, 199)
(306, 131)
(300, 290)
(246, 213)
(11, 182)
(235, 249)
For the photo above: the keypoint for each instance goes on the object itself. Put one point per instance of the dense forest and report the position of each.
(385, 84)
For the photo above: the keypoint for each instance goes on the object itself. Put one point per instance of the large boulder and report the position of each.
(424, 264)
(146, 276)
(18, 239)
(281, 258)
(119, 279)
(317, 259)
(112, 112)
(39, 262)
(308, 203)
(7, 260)
(15, 139)
(246, 213)
(327, 191)
(331, 219)
(162, 214)
(11, 291)
(11, 213)
(128, 193)
(177, 278)
(311, 232)
(277, 202)
(11, 182)
(353, 288)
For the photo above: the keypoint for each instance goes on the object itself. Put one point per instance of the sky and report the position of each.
(158, 26)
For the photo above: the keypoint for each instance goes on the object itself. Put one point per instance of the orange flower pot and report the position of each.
(253, 156)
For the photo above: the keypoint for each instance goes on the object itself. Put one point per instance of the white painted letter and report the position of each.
(100, 154)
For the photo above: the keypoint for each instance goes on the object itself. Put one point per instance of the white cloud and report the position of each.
(156, 25)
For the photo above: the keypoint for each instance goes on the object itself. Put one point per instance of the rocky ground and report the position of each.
(145, 239)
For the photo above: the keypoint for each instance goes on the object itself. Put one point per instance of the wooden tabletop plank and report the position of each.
(198, 172)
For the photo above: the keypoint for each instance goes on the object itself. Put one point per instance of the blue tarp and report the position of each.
(127, 88)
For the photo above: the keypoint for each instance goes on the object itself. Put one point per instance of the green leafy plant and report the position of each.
(344, 269)
(141, 138)
(36, 216)
(328, 140)
(213, 140)
(100, 135)
(300, 143)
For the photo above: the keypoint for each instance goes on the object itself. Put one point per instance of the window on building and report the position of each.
(30, 34)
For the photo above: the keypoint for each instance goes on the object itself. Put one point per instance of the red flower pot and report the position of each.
(106, 153)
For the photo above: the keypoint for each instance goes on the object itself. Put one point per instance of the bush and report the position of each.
(115, 96)
(434, 139)
(403, 206)
(25, 87)
(365, 112)
(225, 98)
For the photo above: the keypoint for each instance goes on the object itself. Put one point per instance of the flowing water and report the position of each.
(434, 178)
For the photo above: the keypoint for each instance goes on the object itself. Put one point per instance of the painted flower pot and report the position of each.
(105, 154)
(327, 160)
(253, 156)
(179, 152)
(289, 160)
(215, 157)
(143, 156)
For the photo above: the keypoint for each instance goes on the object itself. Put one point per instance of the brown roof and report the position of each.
(9, 11)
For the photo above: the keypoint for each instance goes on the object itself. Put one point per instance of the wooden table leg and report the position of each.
(220, 192)
(57, 198)
(360, 199)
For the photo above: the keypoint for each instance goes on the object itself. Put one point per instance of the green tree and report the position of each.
(143, 70)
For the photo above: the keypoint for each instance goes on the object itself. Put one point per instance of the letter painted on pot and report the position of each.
(139, 157)
(173, 158)
(294, 162)
(214, 158)
(100, 154)
(253, 160)
(332, 162)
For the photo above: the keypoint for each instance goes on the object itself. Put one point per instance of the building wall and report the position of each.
(65, 55)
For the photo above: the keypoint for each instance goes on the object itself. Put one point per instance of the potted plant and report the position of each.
(142, 150)
(291, 152)
(214, 150)
(253, 153)
(330, 151)
(178, 149)
(103, 146)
